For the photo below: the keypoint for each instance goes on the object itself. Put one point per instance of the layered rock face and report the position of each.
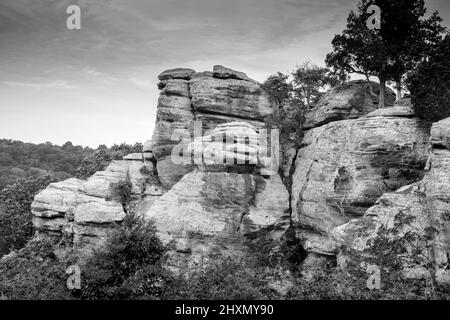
(415, 217)
(82, 212)
(220, 178)
(348, 101)
(343, 167)
(221, 96)
(212, 210)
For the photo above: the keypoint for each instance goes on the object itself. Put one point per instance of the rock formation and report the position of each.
(348, 101)
(358, 169)
(82, 212)
(213, 195)
(213, 98)
(212, 209)
(416, 216)
(343, 167)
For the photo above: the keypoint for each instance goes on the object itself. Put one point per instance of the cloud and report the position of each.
(142, 83)
(114, 59)
(58, 84)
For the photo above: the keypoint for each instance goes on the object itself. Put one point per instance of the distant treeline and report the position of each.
(27, 168)
(22, 160)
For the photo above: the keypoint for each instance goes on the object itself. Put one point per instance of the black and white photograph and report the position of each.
(251, 152)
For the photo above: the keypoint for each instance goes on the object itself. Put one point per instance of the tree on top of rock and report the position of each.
(405, 38)
(309, 80)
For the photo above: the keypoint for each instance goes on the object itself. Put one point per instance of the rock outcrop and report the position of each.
(211, 98)
(343, 167)
(82, 212)
(220, 182)
(210, 187)
(415, 217)
(209, 213)
(348, 101)
(211, 210)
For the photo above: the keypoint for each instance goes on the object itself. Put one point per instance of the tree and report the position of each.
(404, 39)
(430, 83)
(309, 80)
(279, 89)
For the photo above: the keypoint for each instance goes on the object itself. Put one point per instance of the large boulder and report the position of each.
(348, 101)
(415, 217)
(343, 167)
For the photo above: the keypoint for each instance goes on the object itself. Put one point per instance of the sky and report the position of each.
(98, 85)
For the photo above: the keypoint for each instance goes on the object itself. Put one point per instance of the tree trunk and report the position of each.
(399, 90)
(382, 93)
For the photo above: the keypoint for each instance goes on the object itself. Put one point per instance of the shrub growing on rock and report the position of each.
(121, 191)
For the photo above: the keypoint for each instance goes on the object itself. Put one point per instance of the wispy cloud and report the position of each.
(58, 84)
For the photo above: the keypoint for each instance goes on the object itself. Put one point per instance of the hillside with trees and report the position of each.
(26, 169)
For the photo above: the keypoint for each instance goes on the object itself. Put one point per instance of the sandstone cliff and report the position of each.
(343, 167)
(357, 169)
(415, 216)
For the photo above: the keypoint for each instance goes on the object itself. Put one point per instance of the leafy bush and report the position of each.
(16, 219)
(93, 163)
(102, 157)
(34, 273)
(430, 85)
(121, 191)
(129, 266)
(227, 279)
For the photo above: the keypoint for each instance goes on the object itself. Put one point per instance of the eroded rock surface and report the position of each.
(211, 210)
(343, 167)
(213, 98)
(208, 214)
(348, 101)
(415, 217)
(82, 212)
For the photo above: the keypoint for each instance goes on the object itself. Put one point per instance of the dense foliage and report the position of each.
(34, 273)
(26, 169)
(405, 38)
(103, 156)
(22, 160)
(15, 212)
(129, 266)
(430, 85)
